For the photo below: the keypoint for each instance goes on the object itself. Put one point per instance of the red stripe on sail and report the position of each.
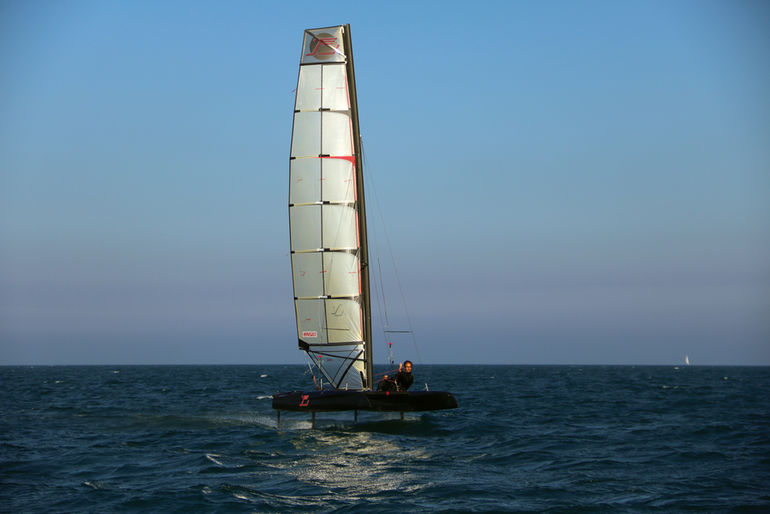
(350, 159)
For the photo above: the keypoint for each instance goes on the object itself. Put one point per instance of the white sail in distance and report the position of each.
(326, 216)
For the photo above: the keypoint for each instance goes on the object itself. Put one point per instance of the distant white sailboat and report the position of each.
(687, 360)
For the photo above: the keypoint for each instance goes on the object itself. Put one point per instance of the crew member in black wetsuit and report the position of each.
(404, 378)
(401, 382)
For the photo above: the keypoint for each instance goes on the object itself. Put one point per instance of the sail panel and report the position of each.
(343, 320)
(323, 86)
(305, 183)
(308, 274)
(306, 140)
(339, 183)
(335, 87)
(311, 321)
(336, 223)
(328, 320)
(305, 230)
(340, 227)
(326, 274)
(309, 89)
(337, 133)
(341, 272)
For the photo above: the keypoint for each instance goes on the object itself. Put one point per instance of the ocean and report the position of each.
(525, 439)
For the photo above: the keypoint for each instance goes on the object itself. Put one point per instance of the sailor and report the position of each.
(404, 378)
(400, 382)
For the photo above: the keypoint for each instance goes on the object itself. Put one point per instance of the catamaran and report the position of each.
(329, 250)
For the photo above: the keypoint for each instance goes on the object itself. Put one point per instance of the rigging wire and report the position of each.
(370, 179)
(312, 374)
(382, 291)
(377, 290)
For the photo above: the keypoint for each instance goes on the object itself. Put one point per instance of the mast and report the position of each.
(361, 208)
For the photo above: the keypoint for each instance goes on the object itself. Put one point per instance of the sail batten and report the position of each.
(326, 213)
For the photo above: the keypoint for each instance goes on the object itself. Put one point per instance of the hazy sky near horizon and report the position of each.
(561, 182)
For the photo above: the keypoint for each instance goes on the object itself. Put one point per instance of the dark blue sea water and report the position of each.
(525, 438)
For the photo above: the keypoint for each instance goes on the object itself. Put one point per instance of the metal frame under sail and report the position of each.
(327, 220)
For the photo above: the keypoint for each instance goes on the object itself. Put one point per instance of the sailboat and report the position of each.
(686, 360)
(329, 250)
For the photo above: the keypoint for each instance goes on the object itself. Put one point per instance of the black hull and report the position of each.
(337, 400)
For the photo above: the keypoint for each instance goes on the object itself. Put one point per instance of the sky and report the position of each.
(560, 182)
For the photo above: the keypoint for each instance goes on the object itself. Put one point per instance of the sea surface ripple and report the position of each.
(525, 439)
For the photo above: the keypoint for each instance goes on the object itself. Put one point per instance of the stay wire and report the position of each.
(370, 178)
(376, 285)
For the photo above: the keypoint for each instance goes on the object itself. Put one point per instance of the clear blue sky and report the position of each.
(562, 182)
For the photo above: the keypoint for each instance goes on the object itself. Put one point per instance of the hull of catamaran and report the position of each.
(340, 400)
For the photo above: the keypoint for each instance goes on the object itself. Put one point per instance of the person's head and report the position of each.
(408, 366)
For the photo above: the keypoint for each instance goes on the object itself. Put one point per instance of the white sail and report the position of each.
(324, 213)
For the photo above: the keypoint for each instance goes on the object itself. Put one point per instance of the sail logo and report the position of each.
(309, 333)
(323, 46)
